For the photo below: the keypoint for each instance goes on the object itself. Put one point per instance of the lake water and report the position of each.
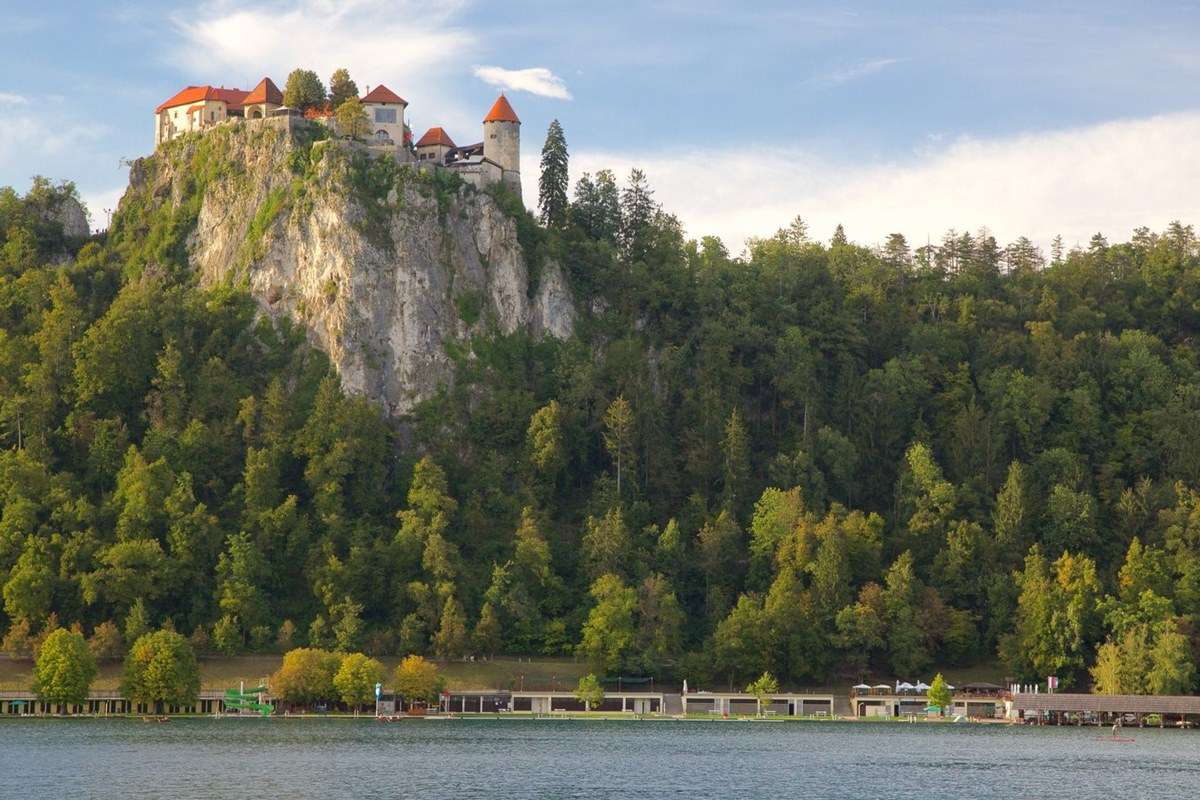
(211, 759)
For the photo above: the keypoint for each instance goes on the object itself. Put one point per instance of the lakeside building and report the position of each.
(972, 700)
(1102, 709)
(106, 702)
(787, 704)
(496, 158)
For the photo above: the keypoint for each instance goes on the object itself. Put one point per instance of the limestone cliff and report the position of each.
(383, 265)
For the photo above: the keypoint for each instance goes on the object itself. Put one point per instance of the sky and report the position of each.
(1028, 118)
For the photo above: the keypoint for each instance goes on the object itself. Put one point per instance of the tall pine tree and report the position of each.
(552, 192)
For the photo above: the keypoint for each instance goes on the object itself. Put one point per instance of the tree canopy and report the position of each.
(304, 90)
(813, 458)
(161, 668)
(64, 669)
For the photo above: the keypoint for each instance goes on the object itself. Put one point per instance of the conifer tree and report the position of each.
(341, 87)
(618, 435)
(552, 190)
(637, 210)
(735, 447)
(450, 641)
(303, 90)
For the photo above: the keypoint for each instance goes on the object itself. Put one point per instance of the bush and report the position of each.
(161, 668)
(418, 680)
(286, 635)
(17, 642)
(65, 668)
(306, 675)
(356, 678)
(106, 643)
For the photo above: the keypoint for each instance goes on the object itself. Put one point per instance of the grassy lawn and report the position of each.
(224, 673)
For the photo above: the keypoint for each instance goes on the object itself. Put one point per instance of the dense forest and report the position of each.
(819, 458)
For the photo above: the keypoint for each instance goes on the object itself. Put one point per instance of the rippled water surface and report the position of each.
(517, 758)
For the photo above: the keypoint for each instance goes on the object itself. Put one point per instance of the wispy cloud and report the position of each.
(1110, 177)
(42, 135)
(845, 74)
(49, 129)
(535, 80)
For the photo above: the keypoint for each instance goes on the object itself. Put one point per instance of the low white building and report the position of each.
(195, 109)
(385, 110)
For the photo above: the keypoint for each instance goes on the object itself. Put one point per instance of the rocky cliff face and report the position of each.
(382, 264)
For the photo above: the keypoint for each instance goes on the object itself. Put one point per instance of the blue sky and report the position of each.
(1030, 118)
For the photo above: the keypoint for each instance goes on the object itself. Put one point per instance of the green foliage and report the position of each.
(939, 693)
(264, 217)
(307, 676)
(416, 679)
(469, 304)
(356, 678)
(552, 188)
(106, 643)
(161, 668)
(590, 691)
(64, 669)
(352, 120)
(806, 460)
(304, 90)
(609, 634)
(341, 87)
(762, 688)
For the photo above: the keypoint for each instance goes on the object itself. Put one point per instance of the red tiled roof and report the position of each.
(435, 136)
(232, 98)
(265, 92)
(502, 112)
(382, 94)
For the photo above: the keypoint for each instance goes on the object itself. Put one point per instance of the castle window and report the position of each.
(385, 115)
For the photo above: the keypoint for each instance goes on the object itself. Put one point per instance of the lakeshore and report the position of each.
(515, 757)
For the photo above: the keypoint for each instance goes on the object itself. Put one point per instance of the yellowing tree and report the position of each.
(352, 119)
(417, 680)
(356, 678)
(64, 669)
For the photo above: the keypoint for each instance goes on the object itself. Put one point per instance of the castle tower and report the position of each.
(502, 141)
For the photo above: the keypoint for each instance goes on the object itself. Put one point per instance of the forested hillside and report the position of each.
(821, 458)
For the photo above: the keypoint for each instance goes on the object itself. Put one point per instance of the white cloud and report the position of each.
(1110, 177)
(10, 99)
(412, 46)
(535, 80)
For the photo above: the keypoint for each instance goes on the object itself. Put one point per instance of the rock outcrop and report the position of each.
(71, 215)
(383, 264)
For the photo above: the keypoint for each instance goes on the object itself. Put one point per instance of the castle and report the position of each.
(495, 159)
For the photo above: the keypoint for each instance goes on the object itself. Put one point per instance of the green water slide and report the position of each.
(247, 701)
